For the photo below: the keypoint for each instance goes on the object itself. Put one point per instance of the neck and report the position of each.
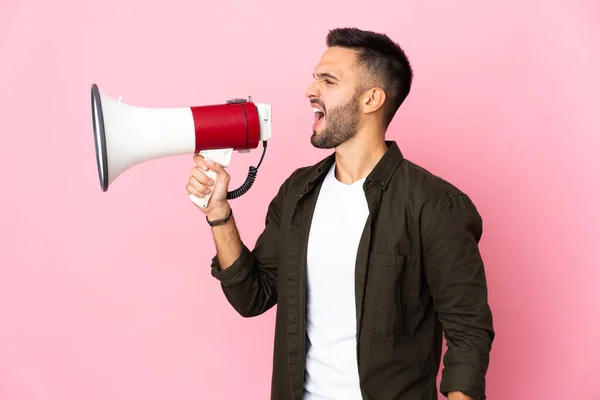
(356, 158)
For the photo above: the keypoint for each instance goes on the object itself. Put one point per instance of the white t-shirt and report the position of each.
(338, 222)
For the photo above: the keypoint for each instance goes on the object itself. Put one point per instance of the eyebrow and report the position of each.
(323, 75)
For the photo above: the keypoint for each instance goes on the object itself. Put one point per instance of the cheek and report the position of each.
(334, 98)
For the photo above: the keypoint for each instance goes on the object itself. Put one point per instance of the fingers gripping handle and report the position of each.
(221, 156)
(203, 201)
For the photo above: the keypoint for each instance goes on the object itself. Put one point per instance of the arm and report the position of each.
(455, 273)
(227, 238)
(249, 278)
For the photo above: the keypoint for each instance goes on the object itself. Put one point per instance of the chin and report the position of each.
(317, 141)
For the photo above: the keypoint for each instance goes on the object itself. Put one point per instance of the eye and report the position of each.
(327, 81)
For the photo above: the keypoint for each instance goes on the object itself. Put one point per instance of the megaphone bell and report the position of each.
(126, 135)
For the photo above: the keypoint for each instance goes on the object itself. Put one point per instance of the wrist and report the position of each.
(220, 211)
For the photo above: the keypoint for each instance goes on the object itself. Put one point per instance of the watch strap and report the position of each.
(220, 221)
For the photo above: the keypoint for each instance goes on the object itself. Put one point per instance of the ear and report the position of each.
(372, 100)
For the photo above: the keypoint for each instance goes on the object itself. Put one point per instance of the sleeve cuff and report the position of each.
(465, 379)
(237, 272)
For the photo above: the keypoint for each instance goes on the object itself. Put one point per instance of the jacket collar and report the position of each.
(379, 177)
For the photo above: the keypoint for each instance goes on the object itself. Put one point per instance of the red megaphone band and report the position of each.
(226, 126)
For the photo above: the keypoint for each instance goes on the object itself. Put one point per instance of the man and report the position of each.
(369, 257)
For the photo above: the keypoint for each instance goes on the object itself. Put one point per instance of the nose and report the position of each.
(312, 91)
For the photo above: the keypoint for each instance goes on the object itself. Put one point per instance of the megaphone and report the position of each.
(126, 135)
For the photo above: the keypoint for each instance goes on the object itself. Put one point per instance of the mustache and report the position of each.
(319, 103)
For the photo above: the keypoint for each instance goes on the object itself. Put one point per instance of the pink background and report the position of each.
(109, 295)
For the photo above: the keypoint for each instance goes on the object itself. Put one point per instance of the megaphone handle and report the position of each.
(203, 202)
(221, 156)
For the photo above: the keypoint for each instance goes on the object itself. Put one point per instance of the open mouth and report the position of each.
(319, 117)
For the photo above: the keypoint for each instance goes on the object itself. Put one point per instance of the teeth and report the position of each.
(317, 110)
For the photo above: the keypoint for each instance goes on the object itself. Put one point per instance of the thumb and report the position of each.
(215, 166)
(221, 174)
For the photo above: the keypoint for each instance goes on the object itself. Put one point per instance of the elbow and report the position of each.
(250, 306)
(244, 308)
(250, 312)
(247, 313)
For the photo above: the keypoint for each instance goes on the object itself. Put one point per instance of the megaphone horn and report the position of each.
(126, 135)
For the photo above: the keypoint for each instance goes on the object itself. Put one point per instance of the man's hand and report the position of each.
(200, 184)
(458, 396)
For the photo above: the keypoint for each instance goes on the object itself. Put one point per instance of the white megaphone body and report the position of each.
(127, 135)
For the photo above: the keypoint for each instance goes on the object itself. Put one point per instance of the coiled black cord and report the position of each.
(234, 194)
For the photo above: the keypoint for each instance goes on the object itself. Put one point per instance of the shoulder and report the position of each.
(301, 176)
(424, 183)
(431, 195)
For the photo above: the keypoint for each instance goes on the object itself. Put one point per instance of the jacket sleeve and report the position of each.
(250, 283)
(455, 273)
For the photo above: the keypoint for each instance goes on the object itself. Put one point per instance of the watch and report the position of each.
(220, 221)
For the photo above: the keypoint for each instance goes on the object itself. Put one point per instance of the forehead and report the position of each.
(337, 61)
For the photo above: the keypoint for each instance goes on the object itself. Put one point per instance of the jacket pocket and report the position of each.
(386, 279)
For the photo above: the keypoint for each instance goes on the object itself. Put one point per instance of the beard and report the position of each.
(341, 125)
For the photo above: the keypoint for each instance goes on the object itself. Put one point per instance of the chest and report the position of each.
(338, 221)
